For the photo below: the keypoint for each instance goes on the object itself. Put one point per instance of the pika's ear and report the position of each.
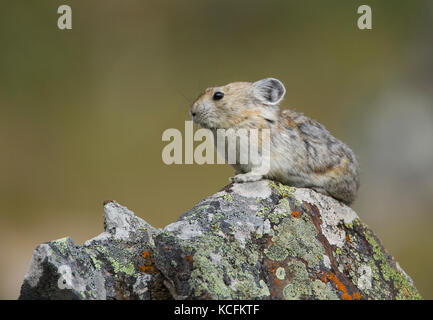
(269, 91)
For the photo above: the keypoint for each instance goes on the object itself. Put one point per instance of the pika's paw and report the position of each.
(245, 177)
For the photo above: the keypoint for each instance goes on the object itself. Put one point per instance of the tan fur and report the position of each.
(303, 153)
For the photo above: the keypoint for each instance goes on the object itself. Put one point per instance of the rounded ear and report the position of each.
(269, 91)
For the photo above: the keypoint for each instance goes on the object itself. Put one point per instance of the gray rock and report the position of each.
(259, 240)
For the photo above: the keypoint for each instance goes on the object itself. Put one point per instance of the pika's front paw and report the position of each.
(245, 177)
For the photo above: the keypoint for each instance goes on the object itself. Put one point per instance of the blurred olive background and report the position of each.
(82, 112)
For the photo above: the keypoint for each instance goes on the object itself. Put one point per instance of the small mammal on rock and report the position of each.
(302, 152)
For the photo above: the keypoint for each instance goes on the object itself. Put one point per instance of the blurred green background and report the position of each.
(82, 112)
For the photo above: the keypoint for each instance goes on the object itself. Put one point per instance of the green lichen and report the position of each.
(349, 225)
(301, 285)
(282, 209)
(374, 271)
(119, 265)
(226, 196)
(276, 252)
(127, 268)
(283, 190)
(352, 224)
(216, 219)
(92, 256)
(257, 235)
(405, 290)
(165, 233)
(265, 289)
(280, 273)
(263, 213)
(284, 204)
(322, 291)
(201, 208)
(61, 244)
(275, 217)
(296, 237)
(196, 212)
(250, 289)
(143, 229)
(232, 277)
(208, 281)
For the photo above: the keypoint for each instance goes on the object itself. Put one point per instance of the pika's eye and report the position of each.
(218, 95)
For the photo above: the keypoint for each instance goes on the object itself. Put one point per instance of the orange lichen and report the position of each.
(323, 278)
(272, 269)
(145, 254)
(340, 286)
(188, 258)
(347, 237)
(296, 214)
(147, 269)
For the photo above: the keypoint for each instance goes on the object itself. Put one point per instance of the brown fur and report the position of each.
(303, 153)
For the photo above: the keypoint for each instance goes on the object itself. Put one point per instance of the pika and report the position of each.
(302, 152)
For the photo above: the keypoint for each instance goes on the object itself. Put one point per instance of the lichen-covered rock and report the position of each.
(112, 265)
(259, 240)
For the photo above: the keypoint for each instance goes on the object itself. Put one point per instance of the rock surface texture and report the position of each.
(259, 240)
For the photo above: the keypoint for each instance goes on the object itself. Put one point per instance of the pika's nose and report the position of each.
(193, 113)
